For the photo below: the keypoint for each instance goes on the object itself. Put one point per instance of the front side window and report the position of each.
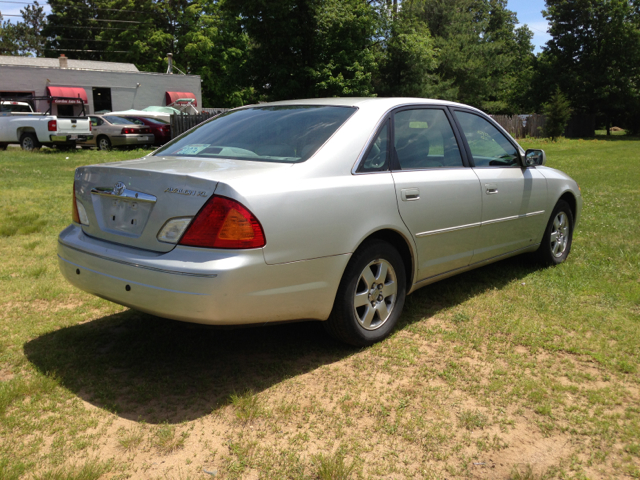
(489, 147)
(423, 138)
(286, 134)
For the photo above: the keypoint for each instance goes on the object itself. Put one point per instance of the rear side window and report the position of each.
(286, 134)
(489, 147)
(377, 158)
(423, 138)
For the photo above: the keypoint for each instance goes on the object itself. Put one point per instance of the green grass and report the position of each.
(508, 371)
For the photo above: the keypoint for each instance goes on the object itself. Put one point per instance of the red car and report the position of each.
(160, 129)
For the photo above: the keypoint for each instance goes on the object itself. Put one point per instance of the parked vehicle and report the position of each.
(160, 129)
(325, 209)
(21, 125)
(12, 106)
(162, 113)
(111, 131)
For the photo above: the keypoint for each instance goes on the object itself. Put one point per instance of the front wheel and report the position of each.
(558, 236)
(370, 296)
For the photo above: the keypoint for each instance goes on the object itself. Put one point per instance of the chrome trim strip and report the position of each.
(479, 224)
(533, 214)
(500, 220)
(137, 265)
(450, 229)
(128, 194)
(514, 217)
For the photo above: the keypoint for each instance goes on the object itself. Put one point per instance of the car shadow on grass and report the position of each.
(146, 368)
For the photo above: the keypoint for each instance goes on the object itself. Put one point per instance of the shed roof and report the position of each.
(72, 64)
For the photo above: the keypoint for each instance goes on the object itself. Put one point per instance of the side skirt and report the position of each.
(441, 276)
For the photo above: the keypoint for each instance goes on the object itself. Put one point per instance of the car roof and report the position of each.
(373, 104)
(360, 101)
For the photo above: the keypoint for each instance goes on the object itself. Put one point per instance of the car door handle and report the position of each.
(491, 188)
(409, 194)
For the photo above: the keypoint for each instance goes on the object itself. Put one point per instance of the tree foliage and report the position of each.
(557, 112)
(25, 37)
(594, 55)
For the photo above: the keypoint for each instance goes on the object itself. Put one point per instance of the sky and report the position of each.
(528, 11)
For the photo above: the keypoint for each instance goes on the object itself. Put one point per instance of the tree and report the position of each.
(24, 38)
(29, 31)
(308, 48)
(594, 55)
(558, 112)
(482, 58)
(408, 60)
(8, 38)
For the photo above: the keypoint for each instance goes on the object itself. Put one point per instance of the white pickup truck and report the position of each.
(20, 124)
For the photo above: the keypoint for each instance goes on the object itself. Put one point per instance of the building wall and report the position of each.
(125, 92)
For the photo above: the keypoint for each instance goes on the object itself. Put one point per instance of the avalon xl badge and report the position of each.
(184, 191)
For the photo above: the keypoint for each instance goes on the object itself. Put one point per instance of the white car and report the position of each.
(323, 209)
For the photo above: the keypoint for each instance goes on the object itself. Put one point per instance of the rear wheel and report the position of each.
(558, 236)
(370, 296)
(103, 143)
(29, 142)
(3, 146)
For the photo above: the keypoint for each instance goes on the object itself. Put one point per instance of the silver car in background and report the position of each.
(323, 209)
(111, 131)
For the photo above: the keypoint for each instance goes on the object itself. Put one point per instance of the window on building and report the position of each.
(102, 100)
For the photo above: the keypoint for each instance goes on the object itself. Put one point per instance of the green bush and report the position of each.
(558, 112)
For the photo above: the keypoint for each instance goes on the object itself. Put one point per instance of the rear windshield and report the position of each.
(268, 134)
(15, 108)
(117, 120)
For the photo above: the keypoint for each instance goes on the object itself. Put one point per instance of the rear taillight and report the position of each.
(53, 125)
(78, 212)
(224, 223)
(90, 127)
(135, 130)
(74, 209)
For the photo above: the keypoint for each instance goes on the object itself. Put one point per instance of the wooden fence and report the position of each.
(182, 123)
(521, 126)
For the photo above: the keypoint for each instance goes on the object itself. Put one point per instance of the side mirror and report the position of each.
(533, 157)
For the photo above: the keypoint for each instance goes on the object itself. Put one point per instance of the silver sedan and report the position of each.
(324, 209)
(111, 131)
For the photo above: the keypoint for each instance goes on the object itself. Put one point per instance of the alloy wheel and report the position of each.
(375, 295)
(559, 235)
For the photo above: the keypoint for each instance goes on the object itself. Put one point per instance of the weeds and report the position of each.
(332, 466)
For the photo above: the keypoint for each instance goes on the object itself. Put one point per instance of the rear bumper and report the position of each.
(69, 138)
(218, 287)
(131, 139)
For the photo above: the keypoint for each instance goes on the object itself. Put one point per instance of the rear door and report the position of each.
(438, 195)
(513, 197)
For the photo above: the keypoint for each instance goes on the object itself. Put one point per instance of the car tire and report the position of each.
(103, 143)
(370, 296)
(3, 146)
(29, 142)
(558, 236)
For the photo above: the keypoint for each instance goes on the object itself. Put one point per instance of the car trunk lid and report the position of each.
(129, 202)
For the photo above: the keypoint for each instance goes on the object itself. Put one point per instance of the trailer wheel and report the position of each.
(29, 142)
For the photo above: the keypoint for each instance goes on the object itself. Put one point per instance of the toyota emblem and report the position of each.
(118, 188)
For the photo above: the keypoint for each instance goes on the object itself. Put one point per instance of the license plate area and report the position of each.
(123, 216)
